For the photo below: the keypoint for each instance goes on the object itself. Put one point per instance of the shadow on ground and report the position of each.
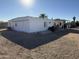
(31, 41)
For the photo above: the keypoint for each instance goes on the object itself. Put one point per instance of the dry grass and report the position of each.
(66, 47)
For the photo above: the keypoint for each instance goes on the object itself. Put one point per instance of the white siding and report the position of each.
(30, 24)
(22, 26)
(11, 24)
(37, 25)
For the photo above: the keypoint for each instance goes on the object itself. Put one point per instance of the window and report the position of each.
(15, 24)
(44, 24)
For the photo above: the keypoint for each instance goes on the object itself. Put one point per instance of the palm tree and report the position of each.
(74, 18)
(43, 16)
(73, 22)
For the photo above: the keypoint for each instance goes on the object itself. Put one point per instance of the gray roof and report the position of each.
(22, 18)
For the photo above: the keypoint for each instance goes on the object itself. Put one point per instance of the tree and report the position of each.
(73, 23)
(74, 18)
(77, 23)
(43, 16)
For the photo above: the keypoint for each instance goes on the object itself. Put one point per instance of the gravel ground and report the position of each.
(57, 45)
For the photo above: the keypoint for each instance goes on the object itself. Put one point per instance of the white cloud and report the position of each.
(27, 3)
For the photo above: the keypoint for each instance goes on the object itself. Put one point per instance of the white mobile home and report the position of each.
(30, 24)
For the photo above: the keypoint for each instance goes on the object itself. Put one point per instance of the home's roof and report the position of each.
(26, 18)
(22, 18)
(60, 20)
(18, 18)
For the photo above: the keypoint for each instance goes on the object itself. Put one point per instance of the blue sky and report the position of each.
(64, 9)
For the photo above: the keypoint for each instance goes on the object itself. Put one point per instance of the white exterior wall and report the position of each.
(37, 25)
(20, 26)
(30, 24)
(11, 24)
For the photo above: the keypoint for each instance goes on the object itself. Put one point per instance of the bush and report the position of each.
(9, 28)
(77, 23)
(51, 28)
(73, 24)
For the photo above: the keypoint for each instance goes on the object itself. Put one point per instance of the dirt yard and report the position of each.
(57, 45)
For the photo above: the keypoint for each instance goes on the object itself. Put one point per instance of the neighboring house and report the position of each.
(59, 22)
(30, 24)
